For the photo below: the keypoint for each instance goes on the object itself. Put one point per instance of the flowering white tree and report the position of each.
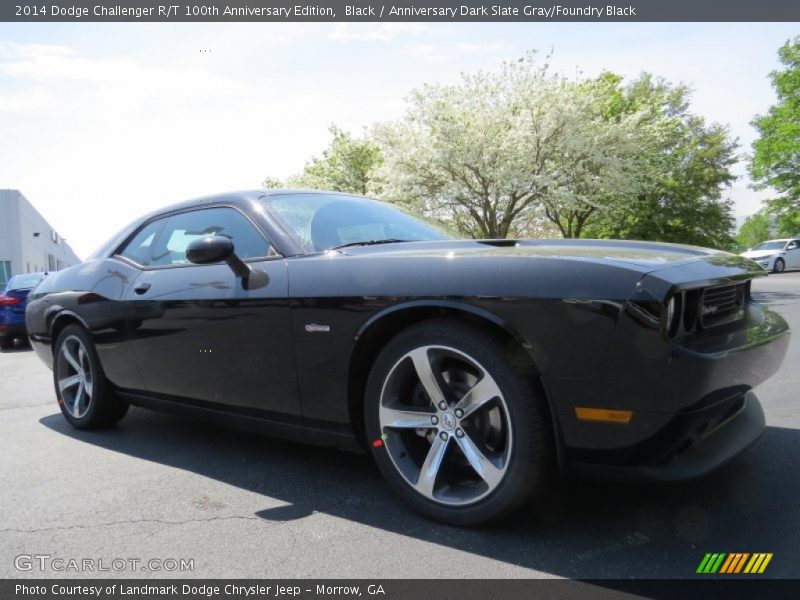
(500, 150)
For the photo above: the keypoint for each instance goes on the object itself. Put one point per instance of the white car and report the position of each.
(776, 255)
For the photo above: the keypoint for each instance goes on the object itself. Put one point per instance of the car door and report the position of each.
(793, 254)
(197, 334)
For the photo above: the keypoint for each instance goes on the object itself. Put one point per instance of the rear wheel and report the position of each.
(779, 266)
(457, 431)
(84, 395)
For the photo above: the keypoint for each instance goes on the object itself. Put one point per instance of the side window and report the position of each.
(792, 245)
(182, 229)
(138, 249)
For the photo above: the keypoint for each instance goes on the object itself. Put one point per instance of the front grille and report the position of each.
(722, 304)
(691, 311)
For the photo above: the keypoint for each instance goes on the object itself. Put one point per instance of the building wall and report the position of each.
(19, 246)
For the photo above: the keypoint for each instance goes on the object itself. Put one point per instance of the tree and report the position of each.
(348, 164)
(499, 150)
(754, 230)
(684, 162)
(776, 153)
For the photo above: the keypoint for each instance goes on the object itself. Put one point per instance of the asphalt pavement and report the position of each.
(164, 488)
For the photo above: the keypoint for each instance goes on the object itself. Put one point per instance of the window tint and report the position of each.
(138, 249)
(182, 229)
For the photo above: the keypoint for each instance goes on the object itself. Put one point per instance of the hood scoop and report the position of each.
(502, 243)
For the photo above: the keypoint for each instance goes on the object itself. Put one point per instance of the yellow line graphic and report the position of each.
(765, 563)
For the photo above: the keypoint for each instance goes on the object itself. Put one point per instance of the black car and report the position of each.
(472, 370)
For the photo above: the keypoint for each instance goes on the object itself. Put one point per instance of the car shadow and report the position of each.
(17, 347)
(579, 530)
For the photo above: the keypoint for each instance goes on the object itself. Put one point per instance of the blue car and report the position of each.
(12, 307)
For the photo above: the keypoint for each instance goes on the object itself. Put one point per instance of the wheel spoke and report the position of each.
(484, 467)
(76, 405)
(405, 419)
(483, 391)
(67, 352)
(87, 386)
(430, 468)
(68, 382)
(422, 365)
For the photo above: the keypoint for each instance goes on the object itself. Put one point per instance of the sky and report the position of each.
(101, 123)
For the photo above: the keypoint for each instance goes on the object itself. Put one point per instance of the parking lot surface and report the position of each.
(159, 487)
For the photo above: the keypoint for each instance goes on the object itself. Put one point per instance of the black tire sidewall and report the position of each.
(95, 415)
(527, 469)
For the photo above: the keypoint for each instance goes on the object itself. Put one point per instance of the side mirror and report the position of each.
(215, 249)
(209, 250)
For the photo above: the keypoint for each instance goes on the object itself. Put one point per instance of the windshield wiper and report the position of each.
(368, 243)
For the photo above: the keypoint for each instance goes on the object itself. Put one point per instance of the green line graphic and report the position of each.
(711, 562)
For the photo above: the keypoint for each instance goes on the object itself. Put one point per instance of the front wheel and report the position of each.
(779, 266)
(461, 434)
(84, 395)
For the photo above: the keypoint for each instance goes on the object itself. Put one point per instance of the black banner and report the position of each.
(401, 10)
(397, 589)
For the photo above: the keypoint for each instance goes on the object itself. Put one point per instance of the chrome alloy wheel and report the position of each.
(75, 377)
(445, 425)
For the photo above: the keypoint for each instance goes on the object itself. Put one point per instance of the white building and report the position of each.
(28, 244)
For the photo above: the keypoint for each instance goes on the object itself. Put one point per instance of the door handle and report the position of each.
(141, 288)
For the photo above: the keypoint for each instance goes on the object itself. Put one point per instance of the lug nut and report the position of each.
(443, 405)
(443, 435)
(459, 433)
(459, 413)
(434, 420)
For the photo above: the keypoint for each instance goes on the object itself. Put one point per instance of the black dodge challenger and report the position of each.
(472, 370)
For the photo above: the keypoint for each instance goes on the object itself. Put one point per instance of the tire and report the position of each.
(6, 343)
(779, 266)
(85, 396)
(507, 437)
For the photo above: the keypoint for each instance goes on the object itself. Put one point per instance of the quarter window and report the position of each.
(138, 249)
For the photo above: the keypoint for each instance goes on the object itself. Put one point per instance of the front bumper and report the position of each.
(697, 457)
(681, 396)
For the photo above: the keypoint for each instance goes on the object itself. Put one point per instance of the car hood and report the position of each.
(760, 253)
(643, 256)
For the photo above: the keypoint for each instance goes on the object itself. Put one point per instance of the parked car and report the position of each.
(13, 301)
(776, 255)
(471, 370)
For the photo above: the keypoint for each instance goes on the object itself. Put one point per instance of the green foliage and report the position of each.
(348, 164)
(776, 153)
(754, 230)
(776, 156)
(685, 164)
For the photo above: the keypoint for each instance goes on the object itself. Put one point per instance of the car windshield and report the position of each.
(25, 282)
(319, 221)
(771, 245)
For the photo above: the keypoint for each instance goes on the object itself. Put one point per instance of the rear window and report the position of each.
(24, 282)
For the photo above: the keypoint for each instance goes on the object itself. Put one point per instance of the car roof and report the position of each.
(240, 197)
